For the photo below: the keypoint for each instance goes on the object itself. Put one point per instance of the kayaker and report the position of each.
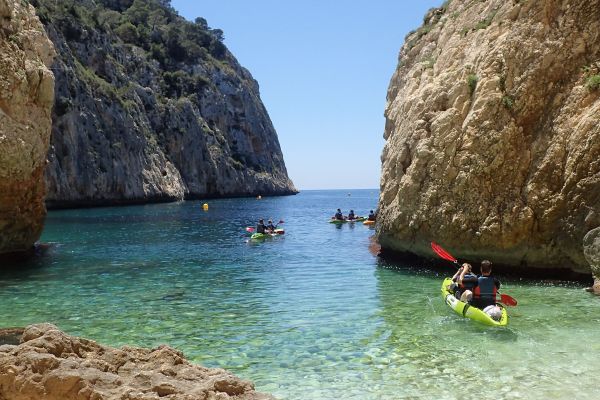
(466, 281)
(270, 227)
(351, 215)
(339, 215)
(484, 294)
(260, 227)
(371, 216)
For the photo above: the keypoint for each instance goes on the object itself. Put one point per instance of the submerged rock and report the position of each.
(493, 134)
(49, 364)
(26, 97)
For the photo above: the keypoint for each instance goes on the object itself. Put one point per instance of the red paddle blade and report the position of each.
(509, 301)
(249, 229)
(441, 252)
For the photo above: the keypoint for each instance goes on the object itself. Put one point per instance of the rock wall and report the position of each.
(150, 107)
(591, 250)
(50, 365)
(493, 134)
(26, 97)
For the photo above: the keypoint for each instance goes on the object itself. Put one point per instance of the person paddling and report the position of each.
(466, 282)
(351, 215)
(487, 287)
(371, 216)
(270, 227)
(260, 227)
(339, 215)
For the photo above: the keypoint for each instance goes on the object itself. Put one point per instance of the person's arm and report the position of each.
(462, 276)
(497, 283)
(457, 274)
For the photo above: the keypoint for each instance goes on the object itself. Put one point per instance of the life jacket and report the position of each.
(260, 228)
(371, 217)
(486, 290)
(339, 216)
(469, 284)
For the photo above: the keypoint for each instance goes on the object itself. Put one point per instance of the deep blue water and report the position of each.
(309, 315)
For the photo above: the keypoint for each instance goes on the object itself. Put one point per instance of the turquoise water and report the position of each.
(310, 315)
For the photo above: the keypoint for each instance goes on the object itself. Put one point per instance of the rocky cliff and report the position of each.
(26, 97)
(493, 134)
(50, 365)
(151, 107)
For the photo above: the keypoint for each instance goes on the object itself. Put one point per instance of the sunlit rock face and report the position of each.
(493, 134)
(151, 107)
(26, 98)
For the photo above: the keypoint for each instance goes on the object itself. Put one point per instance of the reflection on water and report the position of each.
(311, 315)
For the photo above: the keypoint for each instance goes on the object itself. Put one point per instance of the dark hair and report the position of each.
(260, 220)
(486, 266)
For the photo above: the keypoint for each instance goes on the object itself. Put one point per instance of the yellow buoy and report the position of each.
(205, 207)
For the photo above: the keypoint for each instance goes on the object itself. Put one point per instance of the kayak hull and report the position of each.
(368, 222)
(468, 311)
(344, 221)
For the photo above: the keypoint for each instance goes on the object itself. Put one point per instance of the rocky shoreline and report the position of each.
(68, 204)
(42, 362)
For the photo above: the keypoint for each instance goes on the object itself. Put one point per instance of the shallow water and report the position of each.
(310, 315)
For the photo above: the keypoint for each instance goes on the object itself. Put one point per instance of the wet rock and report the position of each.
(591, 249)
(49, 364)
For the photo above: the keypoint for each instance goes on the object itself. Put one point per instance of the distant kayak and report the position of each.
(468, 311)
(344, 221)
(369, 222)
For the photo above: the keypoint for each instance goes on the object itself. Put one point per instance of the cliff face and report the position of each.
(26, 96)
(493, 134)
(48, 364)
(152, 107)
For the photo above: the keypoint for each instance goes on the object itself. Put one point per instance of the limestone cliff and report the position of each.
(151, 107)
(26, 97)
(50, 365)
(493, 134)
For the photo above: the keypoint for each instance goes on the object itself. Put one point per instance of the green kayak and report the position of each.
(468, 311)
(343, 221)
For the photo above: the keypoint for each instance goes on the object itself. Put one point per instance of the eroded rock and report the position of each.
(493, 134)
(26, 98)
(49, 364)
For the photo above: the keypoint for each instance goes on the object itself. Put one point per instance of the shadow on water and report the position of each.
(22, 268)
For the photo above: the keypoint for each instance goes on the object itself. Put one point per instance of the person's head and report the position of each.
(261, 220)
(467, 267)
(371, 211)
(270, 221)
(351, 211)
(339, 210)
(486, 267)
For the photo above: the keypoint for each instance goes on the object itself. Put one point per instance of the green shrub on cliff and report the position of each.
(472, 82)
(593, 82)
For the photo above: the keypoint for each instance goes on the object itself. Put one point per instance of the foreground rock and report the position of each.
(50, 365)
(26, 97)
(493, 134)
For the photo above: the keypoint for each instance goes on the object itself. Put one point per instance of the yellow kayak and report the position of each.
(368, 222)
(469, 311)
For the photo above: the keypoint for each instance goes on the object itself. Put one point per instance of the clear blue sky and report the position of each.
(323, 68)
